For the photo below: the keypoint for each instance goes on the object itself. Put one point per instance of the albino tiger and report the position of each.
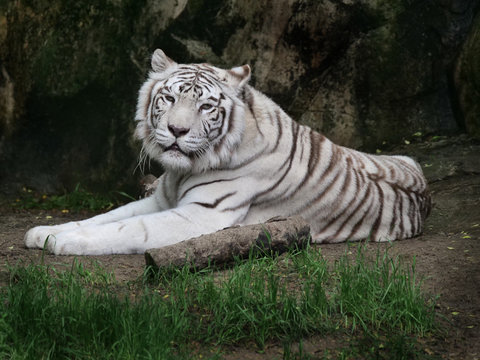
(232, 156)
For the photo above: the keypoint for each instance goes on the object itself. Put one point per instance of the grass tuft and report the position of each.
(380, 295)
(86, 314)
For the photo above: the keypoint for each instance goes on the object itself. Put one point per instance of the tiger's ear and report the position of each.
(239, 76)
(160, 61)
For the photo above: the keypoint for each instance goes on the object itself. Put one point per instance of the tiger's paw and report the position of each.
(76, 242)
(67, 244)
(38, 236)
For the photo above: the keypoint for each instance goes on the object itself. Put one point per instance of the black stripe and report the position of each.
(204, 183)
(359, 223)
(400, 207)
(354, 212)
(207, 68)
(313, 158)
(181, 216)
(327, 171)
(206, 79)
(290, 158)
(339, 200)
(412, 212)
(216, 202)
(367, 214)
(380, 172)
(301, 135)
(151, 99)
(394, 217)
(280, 130)
(250, 107)
(230, 117)
(378, 220)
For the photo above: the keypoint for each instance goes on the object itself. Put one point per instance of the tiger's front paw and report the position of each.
(66, 243)
(38, 236)
(85, 241)
(55, 241)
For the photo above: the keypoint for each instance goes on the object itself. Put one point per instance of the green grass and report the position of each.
(86, 314)
(77, 200)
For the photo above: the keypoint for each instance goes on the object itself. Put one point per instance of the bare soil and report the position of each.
(447, 255)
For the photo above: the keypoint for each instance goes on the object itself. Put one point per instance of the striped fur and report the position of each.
(232, 156)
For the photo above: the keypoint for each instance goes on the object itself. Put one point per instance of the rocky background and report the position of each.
(368, 73)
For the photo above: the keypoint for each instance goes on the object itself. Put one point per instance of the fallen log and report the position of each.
(273, 237)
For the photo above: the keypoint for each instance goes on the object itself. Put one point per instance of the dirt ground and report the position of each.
(447, 254)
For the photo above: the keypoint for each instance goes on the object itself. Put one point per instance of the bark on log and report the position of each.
(275, 236)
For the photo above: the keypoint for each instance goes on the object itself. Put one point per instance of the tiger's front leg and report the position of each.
(137, 234)
(37, 236)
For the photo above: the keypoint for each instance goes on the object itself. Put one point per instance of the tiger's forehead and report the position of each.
(195, 80)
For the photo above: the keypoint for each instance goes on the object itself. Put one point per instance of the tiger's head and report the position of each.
(191, 117)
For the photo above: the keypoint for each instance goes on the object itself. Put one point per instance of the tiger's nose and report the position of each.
(178, 131)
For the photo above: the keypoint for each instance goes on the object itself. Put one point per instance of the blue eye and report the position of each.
(206, 107)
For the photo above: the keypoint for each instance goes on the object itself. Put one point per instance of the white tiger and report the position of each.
(232, 156)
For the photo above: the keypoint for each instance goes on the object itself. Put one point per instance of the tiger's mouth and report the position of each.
(174, 147)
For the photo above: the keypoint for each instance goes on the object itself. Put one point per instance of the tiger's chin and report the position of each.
(176, 161)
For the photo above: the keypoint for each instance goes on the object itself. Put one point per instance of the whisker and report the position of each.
(144, 154)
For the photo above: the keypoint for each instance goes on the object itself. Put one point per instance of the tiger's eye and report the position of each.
(206, 107)
(170, 99)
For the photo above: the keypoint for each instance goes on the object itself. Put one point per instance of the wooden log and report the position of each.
(273, 237)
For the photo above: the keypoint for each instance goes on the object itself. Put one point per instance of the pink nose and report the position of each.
(177, 132)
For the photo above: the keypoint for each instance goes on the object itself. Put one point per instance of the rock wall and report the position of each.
(366, 73)
(467, 80)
